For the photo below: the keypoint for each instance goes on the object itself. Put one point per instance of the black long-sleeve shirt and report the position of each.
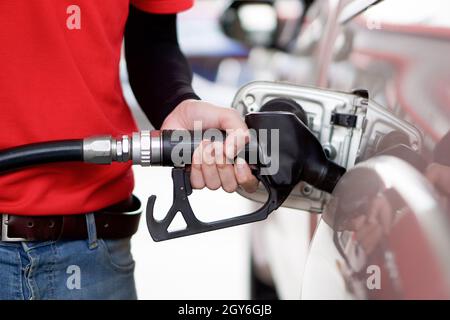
(159, 73)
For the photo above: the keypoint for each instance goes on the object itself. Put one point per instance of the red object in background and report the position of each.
(60, 80)
(420, 274)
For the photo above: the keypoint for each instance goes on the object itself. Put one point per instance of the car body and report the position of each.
(402, 63)
(403, 254)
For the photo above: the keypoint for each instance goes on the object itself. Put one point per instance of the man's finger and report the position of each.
(225, 169)
(197, 181)
(209, 169)
(244, 176)
(235, 142)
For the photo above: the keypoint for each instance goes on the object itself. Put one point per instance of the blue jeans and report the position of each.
(81, 269)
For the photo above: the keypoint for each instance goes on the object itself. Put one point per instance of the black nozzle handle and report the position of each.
(301, 158)
(178, 146)
(159, 229)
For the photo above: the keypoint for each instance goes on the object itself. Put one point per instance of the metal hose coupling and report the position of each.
(143, 148)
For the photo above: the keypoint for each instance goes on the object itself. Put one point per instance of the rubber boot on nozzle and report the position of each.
(332, 176)
(301, 156)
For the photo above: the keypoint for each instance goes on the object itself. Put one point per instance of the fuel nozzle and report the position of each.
(299, 146)
(300, 155)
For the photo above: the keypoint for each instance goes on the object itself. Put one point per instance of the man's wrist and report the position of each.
(179, 98)
(185, 97)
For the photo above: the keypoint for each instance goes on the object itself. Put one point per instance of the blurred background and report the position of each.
(395, 49)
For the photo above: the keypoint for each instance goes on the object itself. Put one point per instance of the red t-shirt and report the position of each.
(59, 79)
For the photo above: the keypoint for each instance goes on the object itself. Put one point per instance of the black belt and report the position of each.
(115, 222)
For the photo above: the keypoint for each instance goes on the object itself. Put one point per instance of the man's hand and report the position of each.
(210, 167)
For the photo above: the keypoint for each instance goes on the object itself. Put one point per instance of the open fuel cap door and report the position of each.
(350, 127)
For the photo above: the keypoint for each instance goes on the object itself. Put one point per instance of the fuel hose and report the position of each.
(40, 153)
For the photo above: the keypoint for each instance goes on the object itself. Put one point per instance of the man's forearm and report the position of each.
(159, 74)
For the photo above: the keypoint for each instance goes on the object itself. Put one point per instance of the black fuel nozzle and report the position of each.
(288, 154)
(294, 153)
(301, 156)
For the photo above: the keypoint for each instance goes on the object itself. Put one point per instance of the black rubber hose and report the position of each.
(40, 153)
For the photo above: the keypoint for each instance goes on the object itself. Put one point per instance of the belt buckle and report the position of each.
(5, 238)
